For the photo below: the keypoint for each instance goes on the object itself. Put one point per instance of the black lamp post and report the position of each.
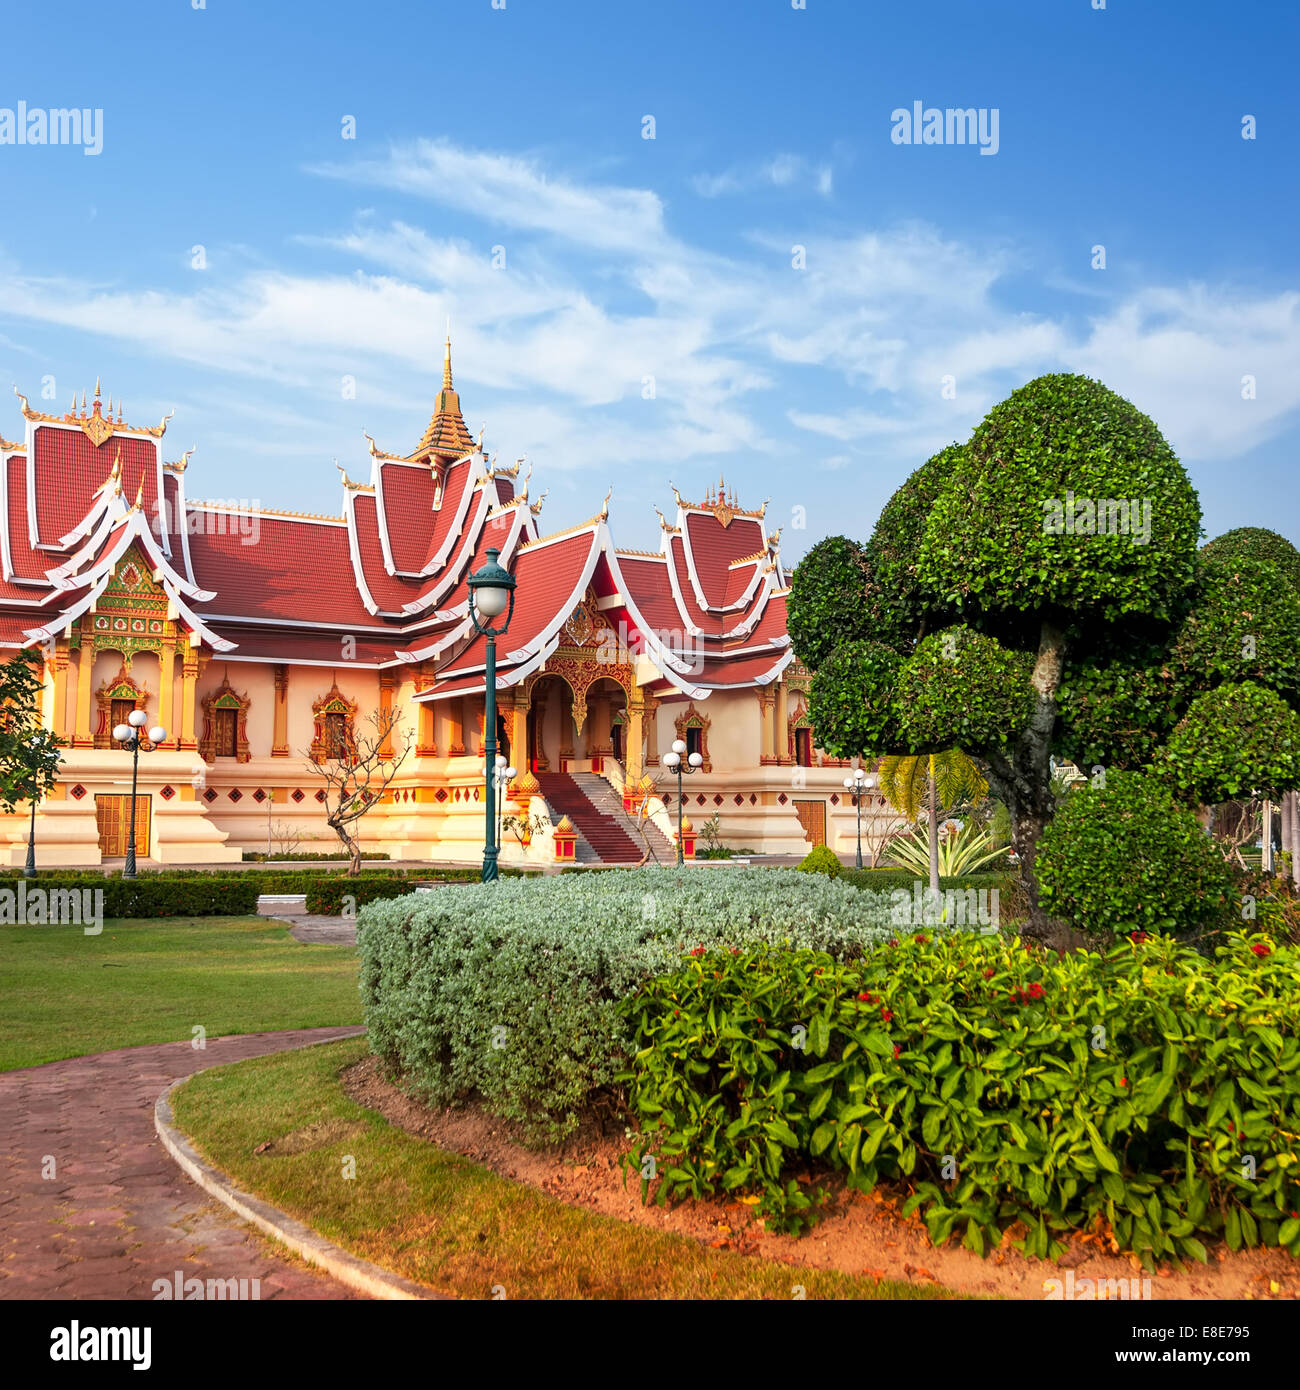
(491, 593)
(29, 871)
(130, 735)
(857, 787)
(674, 763)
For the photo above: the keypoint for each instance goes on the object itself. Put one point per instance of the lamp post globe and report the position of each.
(491, 595)
(674, 761)
(122, 732)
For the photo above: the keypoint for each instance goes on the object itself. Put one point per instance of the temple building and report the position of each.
(259, 639)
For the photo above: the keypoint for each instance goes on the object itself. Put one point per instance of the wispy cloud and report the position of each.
(781, 171)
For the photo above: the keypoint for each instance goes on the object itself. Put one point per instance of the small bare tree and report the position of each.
(357, 775)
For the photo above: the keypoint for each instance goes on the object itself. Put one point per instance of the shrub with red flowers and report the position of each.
(1124, 1089)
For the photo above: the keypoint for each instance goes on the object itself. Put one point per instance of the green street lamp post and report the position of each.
(491, 593)
(857, 787)
(504, 776)
(675, 763)
(130, 735)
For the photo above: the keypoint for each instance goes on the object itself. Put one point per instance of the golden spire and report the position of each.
(139, 497)
(96, 388)
(83, 402)
(446, 365)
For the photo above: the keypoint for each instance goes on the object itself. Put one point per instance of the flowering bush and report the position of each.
(510, 991)
(1151, 1093)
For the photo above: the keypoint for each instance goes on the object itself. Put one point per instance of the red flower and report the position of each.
(1139, 936)
(924, 940)
(1260, 949)
(897, 1050)
(1035, 990)
(893, 941)
(866, 998)
(1123, 1081)
(989, 973)
(885, 1016)
(698, 951)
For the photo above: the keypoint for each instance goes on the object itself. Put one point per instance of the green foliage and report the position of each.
(961, 687)
(1119, 709)
(828, 600)
(29, 753)
(1244, 625)
(821, 860)
(987, 547)
(852, 700)
(509, 991)
(891, 880)
(1071, 1090)
(905, 781)
(203, 895)
(1239, 741)
(1257, 543)
(1125, 856)
(960, 854)
(895, 546)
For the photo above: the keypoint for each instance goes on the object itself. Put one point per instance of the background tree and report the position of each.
(357, 777)
(29, 753)
(999, 608)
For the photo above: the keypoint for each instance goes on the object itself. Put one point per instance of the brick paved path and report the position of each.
(120, 1214)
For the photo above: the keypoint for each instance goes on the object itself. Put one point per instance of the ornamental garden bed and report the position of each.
(777, 1039)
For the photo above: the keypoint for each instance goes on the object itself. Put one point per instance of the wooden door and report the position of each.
(812, 816)
(113, 817)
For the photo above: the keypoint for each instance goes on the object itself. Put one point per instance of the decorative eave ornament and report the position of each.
(97, 426)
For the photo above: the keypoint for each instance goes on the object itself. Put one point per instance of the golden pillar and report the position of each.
(635, 729)
(651, 730)
(782, 730)
(426, 744)
(456, 727)
(189, 699)
(387, 684)
(82, 734)
(767, 732)
(167, 690)
(280, 738)
(58, 667)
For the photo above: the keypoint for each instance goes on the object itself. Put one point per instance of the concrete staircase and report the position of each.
(596, 810)
(606, 800)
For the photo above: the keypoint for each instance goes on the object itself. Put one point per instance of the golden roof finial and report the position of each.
(96, 388)
(83, 402)
(604, 510)
(139, 497)
(446, 362)
(110, 405)
(536, 507)
(117, 466)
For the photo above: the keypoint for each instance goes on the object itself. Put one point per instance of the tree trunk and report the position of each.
(351, 847)
(1022, 775)
(1291, 824)
(934, 832)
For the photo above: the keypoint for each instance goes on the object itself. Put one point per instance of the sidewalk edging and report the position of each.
(348, 1269)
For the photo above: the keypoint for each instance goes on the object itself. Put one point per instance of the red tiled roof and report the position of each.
(288, 644)
(388, 592)
(406, 492)
(69, 469)
(297, 570)
(713, 547)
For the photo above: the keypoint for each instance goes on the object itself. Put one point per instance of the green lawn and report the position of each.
(444, 1220)
(65, 994)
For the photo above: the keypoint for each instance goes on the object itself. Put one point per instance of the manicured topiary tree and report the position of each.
(1121, 855)
(1039, 590)
(1234, 743)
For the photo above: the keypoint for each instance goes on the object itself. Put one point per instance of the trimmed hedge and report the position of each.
(1002, 1085)
(511, 991)
(890, 880)
(204, 896)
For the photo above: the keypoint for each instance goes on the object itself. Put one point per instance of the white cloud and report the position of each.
(781, 171)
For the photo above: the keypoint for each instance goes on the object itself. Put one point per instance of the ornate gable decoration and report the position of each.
(693, 719)
(583, 626)
(123, 686)
(98, 426)
(225, 697)
(725, 507)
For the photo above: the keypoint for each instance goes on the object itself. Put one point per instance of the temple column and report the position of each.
(633, 767)
(767, 733)
(189, 692)
(280, 737)
(782, 730)
(387, 683)
(58, 666)
(426, 742)
(82, 734)
(456, 727)
(166, 689)
(651, 730)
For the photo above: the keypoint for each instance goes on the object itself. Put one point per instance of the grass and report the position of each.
(446, 1221)
(65, 994)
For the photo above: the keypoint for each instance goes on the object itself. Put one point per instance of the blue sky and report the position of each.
(626, 258)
